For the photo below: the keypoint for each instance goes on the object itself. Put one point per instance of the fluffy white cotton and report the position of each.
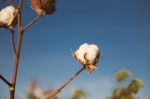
(87, 54)
(7, 15)
(38, 93)
(80, 53)
(92, 54)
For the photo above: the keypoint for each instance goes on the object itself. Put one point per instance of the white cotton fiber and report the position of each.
(92, 54)
(7, 15)
(81, 52)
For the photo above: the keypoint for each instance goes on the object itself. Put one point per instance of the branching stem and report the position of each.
(17, 54)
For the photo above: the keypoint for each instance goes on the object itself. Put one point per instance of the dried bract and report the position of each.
(43, 6)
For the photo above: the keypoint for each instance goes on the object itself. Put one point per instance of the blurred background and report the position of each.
(120, 28)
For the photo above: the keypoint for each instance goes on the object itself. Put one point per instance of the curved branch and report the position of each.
(32, 22)
(51, 95)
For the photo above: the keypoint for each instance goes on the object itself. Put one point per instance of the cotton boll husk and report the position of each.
(80, 53)
(8, 17)
(43, 6)
(1, 24)
(36, 6)
(48, 6)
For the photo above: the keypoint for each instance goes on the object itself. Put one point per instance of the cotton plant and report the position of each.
(8, 17)
(87, 55)
(11, 17)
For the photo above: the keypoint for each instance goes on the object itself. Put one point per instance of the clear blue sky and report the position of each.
(121, 28)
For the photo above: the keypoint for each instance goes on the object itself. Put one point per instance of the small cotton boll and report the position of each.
(88, 55)
(38, 93)
(8, 16)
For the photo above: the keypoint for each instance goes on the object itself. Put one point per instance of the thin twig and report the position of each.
(12, 41)
(32, 22)
(5, 80)
(9, 2)
(51, 95)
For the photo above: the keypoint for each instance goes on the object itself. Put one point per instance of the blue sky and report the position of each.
(120, 28)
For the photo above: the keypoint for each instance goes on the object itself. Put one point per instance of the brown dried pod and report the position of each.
(43, 6)
(48, 6)
(36, 6)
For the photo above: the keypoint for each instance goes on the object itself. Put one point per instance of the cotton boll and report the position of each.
(88, 55)
(38, 93)
(8, 17)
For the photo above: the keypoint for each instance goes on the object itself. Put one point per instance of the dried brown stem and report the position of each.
(51, 95)
(20, 4)
(16, 56)
(5, 80)
(32, 22)
(12, 41)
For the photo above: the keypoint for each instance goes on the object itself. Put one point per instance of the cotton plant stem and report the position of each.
(17, 54)
(5, 80)
(51, 95)
(20, 4)
(16, 62)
